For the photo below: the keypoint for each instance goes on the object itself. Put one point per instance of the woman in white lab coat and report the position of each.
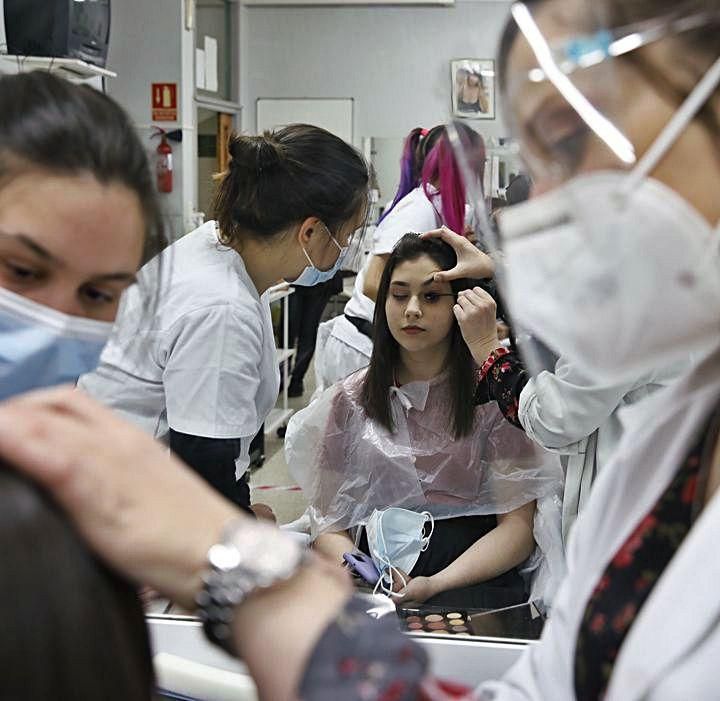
(652, 635)
(430, 194)
(205, 376)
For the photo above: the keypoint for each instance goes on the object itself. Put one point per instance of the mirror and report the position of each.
(469, 481)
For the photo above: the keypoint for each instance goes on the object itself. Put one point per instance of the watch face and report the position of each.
(224, 557)
(262, 551)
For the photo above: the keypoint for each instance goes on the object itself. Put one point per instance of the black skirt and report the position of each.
(450, 539)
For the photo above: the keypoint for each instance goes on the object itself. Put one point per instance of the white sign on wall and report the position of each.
(333, 114)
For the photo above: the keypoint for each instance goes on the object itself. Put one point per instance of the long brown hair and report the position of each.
(385, 359)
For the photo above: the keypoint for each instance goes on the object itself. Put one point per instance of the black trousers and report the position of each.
(214, 460)
(307, 305)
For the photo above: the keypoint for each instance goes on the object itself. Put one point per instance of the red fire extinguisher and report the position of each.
(163, 164)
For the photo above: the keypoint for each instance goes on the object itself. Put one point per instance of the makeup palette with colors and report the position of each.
(434, 622)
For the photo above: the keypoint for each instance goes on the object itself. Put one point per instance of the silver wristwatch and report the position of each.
(251, 555)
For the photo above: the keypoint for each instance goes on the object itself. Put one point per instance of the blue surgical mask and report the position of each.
(41, 347)
(395, 539)
(312, 275)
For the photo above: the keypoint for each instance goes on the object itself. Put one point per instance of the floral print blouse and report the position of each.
(359, 658)
(501, 379)
(630, 578)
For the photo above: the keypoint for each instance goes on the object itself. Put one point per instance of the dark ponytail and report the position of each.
(286, 176)
(51, 124)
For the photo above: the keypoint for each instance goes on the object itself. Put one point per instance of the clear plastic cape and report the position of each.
(348, 465)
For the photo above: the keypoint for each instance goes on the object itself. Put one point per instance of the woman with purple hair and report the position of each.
(431, 194)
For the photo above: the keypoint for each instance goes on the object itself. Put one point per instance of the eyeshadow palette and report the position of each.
(435, 621)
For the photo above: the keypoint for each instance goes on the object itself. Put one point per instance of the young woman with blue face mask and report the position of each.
(78, 216)
(76, 222)
(205, 376)
(655, 508)
(406, 434)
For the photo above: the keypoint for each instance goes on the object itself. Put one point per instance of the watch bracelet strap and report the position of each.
(216, 604)
(218, 599)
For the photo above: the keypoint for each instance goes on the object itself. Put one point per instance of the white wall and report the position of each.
(385, 158)
(395, 61)
(147, 46)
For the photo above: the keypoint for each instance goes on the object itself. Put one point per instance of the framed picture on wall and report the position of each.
(473, 88)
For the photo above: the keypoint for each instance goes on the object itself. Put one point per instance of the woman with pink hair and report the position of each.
(431, 194)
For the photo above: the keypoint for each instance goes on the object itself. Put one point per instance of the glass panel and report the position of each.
(207, 159)
(214, 19)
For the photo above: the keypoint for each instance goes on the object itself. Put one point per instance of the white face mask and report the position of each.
(616, 271)
(395, 539)
(616, 288)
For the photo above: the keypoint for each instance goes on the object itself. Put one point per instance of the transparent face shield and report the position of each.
(565, 99)
(357, 242)
(600, 244)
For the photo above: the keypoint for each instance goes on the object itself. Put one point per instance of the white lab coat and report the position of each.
(204, 362)
(569, 414)
(672, 650)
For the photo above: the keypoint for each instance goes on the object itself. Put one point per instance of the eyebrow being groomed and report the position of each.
(425, 283)
(441, 294)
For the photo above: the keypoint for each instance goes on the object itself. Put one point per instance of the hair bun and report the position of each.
(268, 152)
(254, 154)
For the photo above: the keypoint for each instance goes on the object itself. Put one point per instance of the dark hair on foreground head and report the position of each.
(375, 395)
(71, 628)
(283, 177)
(50, 124)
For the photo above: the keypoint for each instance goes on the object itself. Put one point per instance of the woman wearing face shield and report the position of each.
(636, 270)
(205, 376)
(617, 632)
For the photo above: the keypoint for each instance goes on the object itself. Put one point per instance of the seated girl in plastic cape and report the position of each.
(406, 432)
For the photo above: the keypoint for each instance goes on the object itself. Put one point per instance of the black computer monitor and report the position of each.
(59, 28)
